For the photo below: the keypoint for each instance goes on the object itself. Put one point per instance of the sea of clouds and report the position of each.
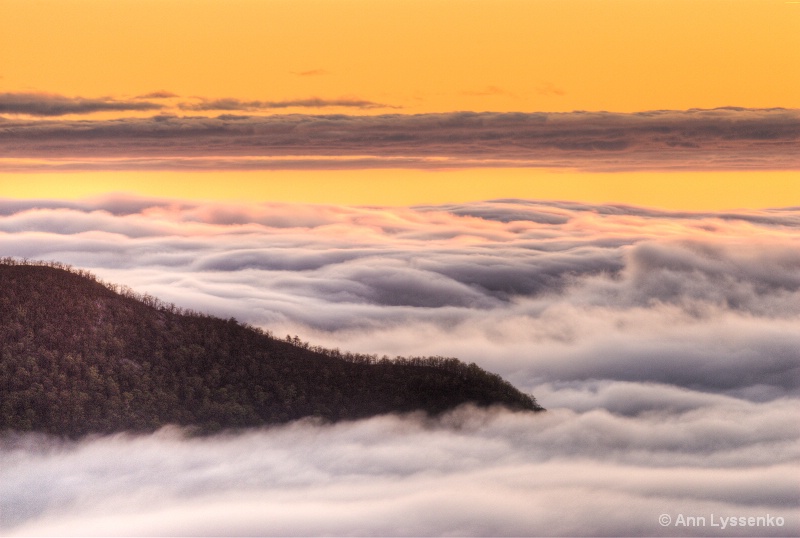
(665, 346)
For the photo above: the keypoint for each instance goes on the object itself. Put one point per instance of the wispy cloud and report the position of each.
(45, 104)
(548, 88)
(489, 91)
(311, 102)
(311, 73)
(160, 94)
(719, 139)
(53, 105)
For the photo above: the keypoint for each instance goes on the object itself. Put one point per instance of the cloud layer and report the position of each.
(541, 292)
(314, 102)
(471, 473)
(719, 139)
(664, 345)
(48, 105)
(51, 105)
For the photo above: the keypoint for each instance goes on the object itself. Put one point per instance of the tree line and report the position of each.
(78, 355)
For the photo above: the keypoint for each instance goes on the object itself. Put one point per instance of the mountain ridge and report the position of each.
(81, 356)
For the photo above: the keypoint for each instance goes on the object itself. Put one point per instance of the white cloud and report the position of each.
(471, 473)
(665, 346)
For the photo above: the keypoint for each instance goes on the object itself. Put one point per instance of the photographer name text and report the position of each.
(721, 522)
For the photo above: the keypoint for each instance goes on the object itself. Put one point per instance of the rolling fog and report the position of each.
(665, 346)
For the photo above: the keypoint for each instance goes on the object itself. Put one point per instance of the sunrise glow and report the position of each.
(399, 267)
(138, 59)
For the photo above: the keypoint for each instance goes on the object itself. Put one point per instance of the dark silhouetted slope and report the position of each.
(79, 356)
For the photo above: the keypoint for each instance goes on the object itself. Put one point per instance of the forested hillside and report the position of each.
(80, 356)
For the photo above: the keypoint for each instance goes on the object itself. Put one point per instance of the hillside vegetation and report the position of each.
(80, 356)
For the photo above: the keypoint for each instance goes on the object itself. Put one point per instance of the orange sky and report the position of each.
(695, 191)
(414, 57)
(422, 55)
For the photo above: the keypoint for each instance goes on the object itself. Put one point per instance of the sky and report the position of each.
(137, 96)
(597, 200)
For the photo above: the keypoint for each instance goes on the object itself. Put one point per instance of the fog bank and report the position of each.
(665, 346)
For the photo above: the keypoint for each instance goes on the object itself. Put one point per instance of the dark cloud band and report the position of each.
(48, 105)
(720, 139)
